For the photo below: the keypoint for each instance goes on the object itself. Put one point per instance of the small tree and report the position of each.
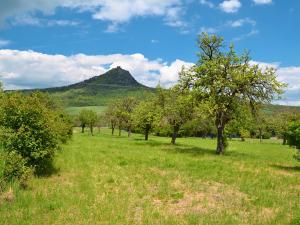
(83, 118)
(145, 115)
(91, 120)
(226, 81)
(111, 116)
(125, 110)
(178, 109)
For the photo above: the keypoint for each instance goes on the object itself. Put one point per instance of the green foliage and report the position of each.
(16, 169)
(92, 119)
(146, 116)
(178, 109)
(32, 128)
(293, 134)
(226, 81)
(124, 112)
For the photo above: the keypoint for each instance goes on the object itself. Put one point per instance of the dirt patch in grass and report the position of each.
(7, 196)
(208, 198)
(158, 171)
(267, 214)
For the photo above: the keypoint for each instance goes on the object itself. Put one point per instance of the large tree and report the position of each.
(225, 81)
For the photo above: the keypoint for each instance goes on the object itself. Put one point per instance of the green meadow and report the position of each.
(106, 179)
(74, 110)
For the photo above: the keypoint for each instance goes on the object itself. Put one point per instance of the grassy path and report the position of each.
(116, 180)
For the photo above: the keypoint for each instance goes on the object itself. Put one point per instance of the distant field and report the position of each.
(120, 180)
(76, 110)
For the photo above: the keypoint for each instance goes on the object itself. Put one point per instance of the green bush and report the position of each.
(16, 169)
(33, 128)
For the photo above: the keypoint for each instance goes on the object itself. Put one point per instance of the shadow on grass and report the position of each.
(195, 151)
(287, 168)
(46, 170)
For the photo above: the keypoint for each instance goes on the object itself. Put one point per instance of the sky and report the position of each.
(48, 43)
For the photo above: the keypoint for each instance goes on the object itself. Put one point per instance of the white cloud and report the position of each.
(207, 3)
(230, 6)
(241, 22)
(30, 20)
(114, 11)
(288, 75)
(29, 69)
(4, 43)
(169, 73)
(209, 30)
(262, 2)
(253, 32)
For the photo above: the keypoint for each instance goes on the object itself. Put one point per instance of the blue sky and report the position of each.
(47, 43)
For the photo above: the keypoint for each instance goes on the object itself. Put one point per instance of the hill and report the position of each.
(99, 90)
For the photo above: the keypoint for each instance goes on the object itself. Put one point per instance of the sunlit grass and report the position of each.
(120, 180)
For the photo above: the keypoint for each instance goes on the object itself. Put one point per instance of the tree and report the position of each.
(281, 122)
(111, 116)
(293, 134)
(293, 137)
(145, 115)
(225, 81)
(178, 109)
(91, 120)
(83, 118)
(125, 108)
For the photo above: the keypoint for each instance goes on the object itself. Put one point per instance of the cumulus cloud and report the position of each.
(262, 2)
(30, 69)
(230, 6)
(114, 11)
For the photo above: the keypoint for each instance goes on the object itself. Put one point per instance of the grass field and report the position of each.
(75, 110)
(120, 180)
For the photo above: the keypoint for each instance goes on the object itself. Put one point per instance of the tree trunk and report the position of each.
(175, 133)
(146, 134)
(92, 130)
(82, 128)
(220, 140)
(120, 131)
(260, 135)
(129, 132)
(112, 128)
(284, 140)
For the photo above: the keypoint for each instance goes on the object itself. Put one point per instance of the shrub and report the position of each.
(16, 169)
(33, 128)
